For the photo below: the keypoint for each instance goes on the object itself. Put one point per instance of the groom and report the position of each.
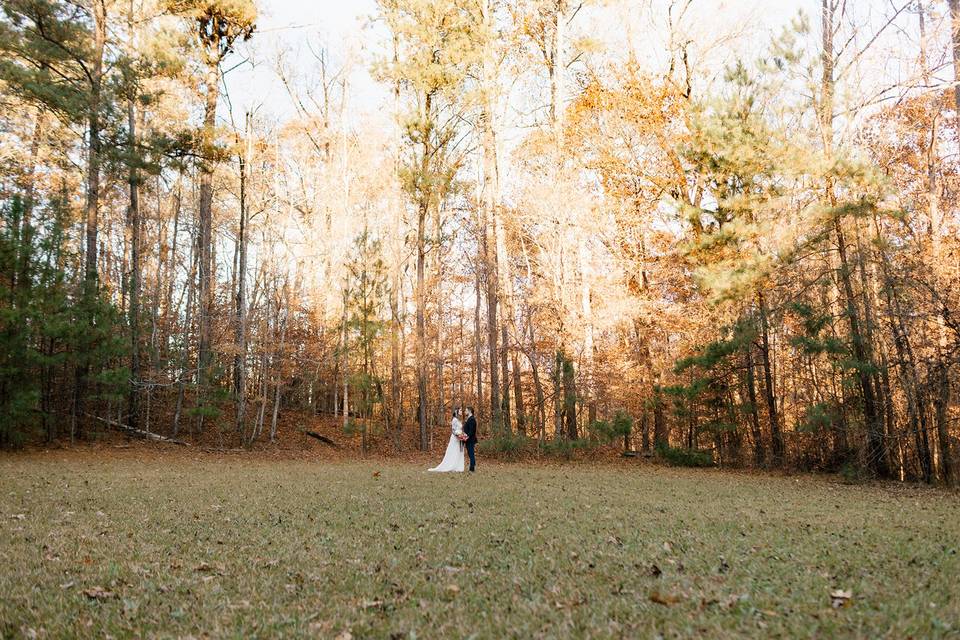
(470, 430)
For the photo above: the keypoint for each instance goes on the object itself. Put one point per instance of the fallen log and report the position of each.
(321, 438)
(140, 432)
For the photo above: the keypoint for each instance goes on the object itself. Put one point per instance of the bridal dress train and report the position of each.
(453, 458)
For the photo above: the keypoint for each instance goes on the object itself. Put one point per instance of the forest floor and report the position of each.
(146, 543)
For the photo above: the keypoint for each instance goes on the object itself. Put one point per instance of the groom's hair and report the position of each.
(470, 409)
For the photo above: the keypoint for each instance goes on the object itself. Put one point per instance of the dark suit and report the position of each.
(470, 429)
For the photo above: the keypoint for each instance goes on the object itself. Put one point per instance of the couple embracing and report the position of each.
(463, 436)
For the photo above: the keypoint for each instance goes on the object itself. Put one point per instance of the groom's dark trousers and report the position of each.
(470, 428)
(473, 461)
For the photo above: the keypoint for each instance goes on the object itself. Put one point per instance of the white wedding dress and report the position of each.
(453, 458)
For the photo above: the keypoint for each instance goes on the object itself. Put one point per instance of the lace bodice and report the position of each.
(456, 427)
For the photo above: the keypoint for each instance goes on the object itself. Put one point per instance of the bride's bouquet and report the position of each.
(462, 437)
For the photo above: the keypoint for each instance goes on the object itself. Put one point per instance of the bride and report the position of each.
(453, 458)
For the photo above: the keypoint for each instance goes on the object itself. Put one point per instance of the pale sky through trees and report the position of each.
(294, 26)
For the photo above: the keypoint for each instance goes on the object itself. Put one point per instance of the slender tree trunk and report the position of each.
(478, 336)
(395, 328)
(205, 213)
(421, 344)
(876, 458)
(133, 407)
(518, 402)
(955, 46)
(570, 399)
(94, 142)
(942, 372)
(586, 371)
(661, 435)
(758, 450)
(776, 435)
(278, 385)
(344, 364)
(489, 252)
(184, 358)
(90, 283)
(240, 359)
(645, 430)
(171, 267)
(941, 404)
(396, 325)
(29, 197)
(558, 431)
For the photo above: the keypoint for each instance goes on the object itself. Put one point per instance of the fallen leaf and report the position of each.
(344, 635)
(667, 547)
(665, 599)
(98, 593)
(840, 598)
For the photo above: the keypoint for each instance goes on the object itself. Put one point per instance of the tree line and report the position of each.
(588, 220)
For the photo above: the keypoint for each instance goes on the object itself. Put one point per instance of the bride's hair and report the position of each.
(456, 412)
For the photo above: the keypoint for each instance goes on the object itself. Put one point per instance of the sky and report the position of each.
(294, 26)
(294, 29)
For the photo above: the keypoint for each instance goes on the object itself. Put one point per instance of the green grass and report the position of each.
(235, 548)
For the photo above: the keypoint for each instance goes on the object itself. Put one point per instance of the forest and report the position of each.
(640, 225)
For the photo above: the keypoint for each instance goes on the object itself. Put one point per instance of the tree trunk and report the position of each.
(490, 255)
(478, 336)
(395, 328)
(133, 406)
(758, 450)
(240, 359)
(421, 344)
(90, 282)
(776, 435)
(955, 46)
(184, 343)
(941, 404)
(205, 214)
(29, 196)
(586, 371)
(570, 398)
(942, 373)
(518, 403)
(93, 141)
(661, 436)
(645, 430)
(278, 373)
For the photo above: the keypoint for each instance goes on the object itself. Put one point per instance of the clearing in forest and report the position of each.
(236, 548)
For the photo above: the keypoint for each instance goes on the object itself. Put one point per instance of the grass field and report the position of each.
(226, 547)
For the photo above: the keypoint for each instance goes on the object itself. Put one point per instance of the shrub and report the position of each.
(607, 431)
(686, 457)
(564, 448)
(509, 446)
